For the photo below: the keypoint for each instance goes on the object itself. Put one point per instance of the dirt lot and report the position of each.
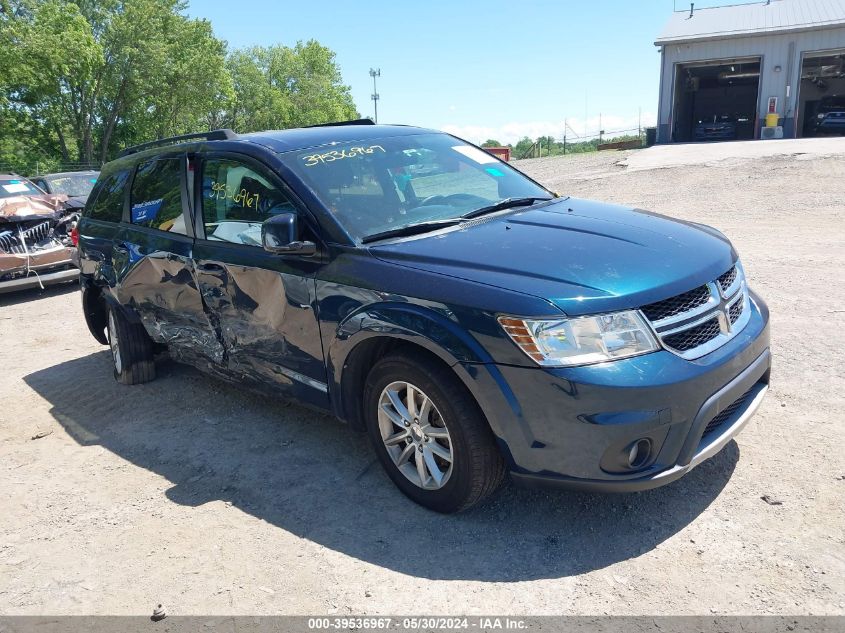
(188, 492)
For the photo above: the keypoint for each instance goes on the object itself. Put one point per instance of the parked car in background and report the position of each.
(830, 116)
(36, 236)
(76, 185)
(471, 321)
(717, 128)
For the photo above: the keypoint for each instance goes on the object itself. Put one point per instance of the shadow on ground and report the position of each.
(310, 475)
(34, 294)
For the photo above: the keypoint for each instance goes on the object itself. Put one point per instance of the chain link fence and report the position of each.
(47, 167)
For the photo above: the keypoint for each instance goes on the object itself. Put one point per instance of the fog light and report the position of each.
(639, 453)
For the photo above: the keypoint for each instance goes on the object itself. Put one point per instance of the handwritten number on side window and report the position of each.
(219, 191)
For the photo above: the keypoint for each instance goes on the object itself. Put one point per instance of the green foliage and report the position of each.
(548, 146)
(279, 87)
(82, 79)
(522, 147)
(491, 143)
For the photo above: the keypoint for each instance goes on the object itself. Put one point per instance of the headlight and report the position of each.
(821, 116)
(582, 340)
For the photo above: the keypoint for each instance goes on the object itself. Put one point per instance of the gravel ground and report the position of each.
(192, 493)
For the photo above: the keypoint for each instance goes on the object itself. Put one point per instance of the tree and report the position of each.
(491, 143)
(522, 147)
(44, 45)
(84, 70)
(83, 78)
(277, 87)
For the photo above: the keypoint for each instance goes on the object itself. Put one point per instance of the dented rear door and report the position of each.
(153, 261)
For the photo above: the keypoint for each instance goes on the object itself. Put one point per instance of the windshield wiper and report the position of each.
(411, 229)
(507, 203)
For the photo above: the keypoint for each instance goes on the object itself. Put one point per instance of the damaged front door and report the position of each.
(261, 305)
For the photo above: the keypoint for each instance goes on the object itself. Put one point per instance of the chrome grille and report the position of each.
(701, 320)
(727, 280)
(686, 340)
(677, 305)
(736, 311)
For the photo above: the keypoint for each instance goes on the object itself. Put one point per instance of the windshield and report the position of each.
(18, 187)
(73, 185)
(389, 183)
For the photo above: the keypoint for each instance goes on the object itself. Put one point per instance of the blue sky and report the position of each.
(497, 68)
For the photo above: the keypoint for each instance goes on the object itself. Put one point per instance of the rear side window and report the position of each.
(108, 205)
(156, 199)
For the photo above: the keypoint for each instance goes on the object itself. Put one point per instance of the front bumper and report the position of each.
(573, 428)
(42, 268)
(707, 447)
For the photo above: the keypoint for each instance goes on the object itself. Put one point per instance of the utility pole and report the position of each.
(601, 131)
(375, 72)
(640, 124)
(564, 137)
(586, 110)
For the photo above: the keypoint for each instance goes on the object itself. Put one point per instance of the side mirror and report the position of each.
(279, 235)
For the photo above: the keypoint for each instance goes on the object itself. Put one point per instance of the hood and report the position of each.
(76, 203)
(582, 256)
(24, 208)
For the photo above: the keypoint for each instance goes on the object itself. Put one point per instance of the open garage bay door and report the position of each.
(821, 100)
(716, 100)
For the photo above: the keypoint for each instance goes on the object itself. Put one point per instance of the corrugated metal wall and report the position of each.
(774, 51)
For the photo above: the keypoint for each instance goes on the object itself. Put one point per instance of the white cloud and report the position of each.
(512, 132)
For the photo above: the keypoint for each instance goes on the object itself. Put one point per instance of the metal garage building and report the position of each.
(723, 69)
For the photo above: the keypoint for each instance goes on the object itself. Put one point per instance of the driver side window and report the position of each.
(236, 200)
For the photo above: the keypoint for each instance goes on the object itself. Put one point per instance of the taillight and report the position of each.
(74, 235)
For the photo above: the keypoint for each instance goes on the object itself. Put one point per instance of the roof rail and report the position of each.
(352, 122)
(213, 135)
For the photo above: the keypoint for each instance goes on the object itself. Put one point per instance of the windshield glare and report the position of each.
(389, 183)
(74, 185)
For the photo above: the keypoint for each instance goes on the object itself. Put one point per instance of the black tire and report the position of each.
(134, 363)
(477, 467)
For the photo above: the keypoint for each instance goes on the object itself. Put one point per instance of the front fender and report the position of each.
(438, 335)
(408, 322)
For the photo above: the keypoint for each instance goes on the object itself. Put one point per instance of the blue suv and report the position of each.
(471, 321)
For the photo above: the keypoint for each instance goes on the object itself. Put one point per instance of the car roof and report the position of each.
(12, 177)
(274, 140)
(303, 138)
(279, 141)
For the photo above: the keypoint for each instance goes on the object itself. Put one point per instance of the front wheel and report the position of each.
(429, 434)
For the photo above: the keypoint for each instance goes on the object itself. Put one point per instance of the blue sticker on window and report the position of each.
(14, 182)
(146, 212)
(494, 172)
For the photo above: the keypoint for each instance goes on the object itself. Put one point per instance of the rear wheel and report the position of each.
(131, 350)
(429, 434)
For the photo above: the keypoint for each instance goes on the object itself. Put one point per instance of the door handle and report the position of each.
(210, 268)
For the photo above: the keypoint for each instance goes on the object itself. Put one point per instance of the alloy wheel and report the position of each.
(114, 344)
(415, 435)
